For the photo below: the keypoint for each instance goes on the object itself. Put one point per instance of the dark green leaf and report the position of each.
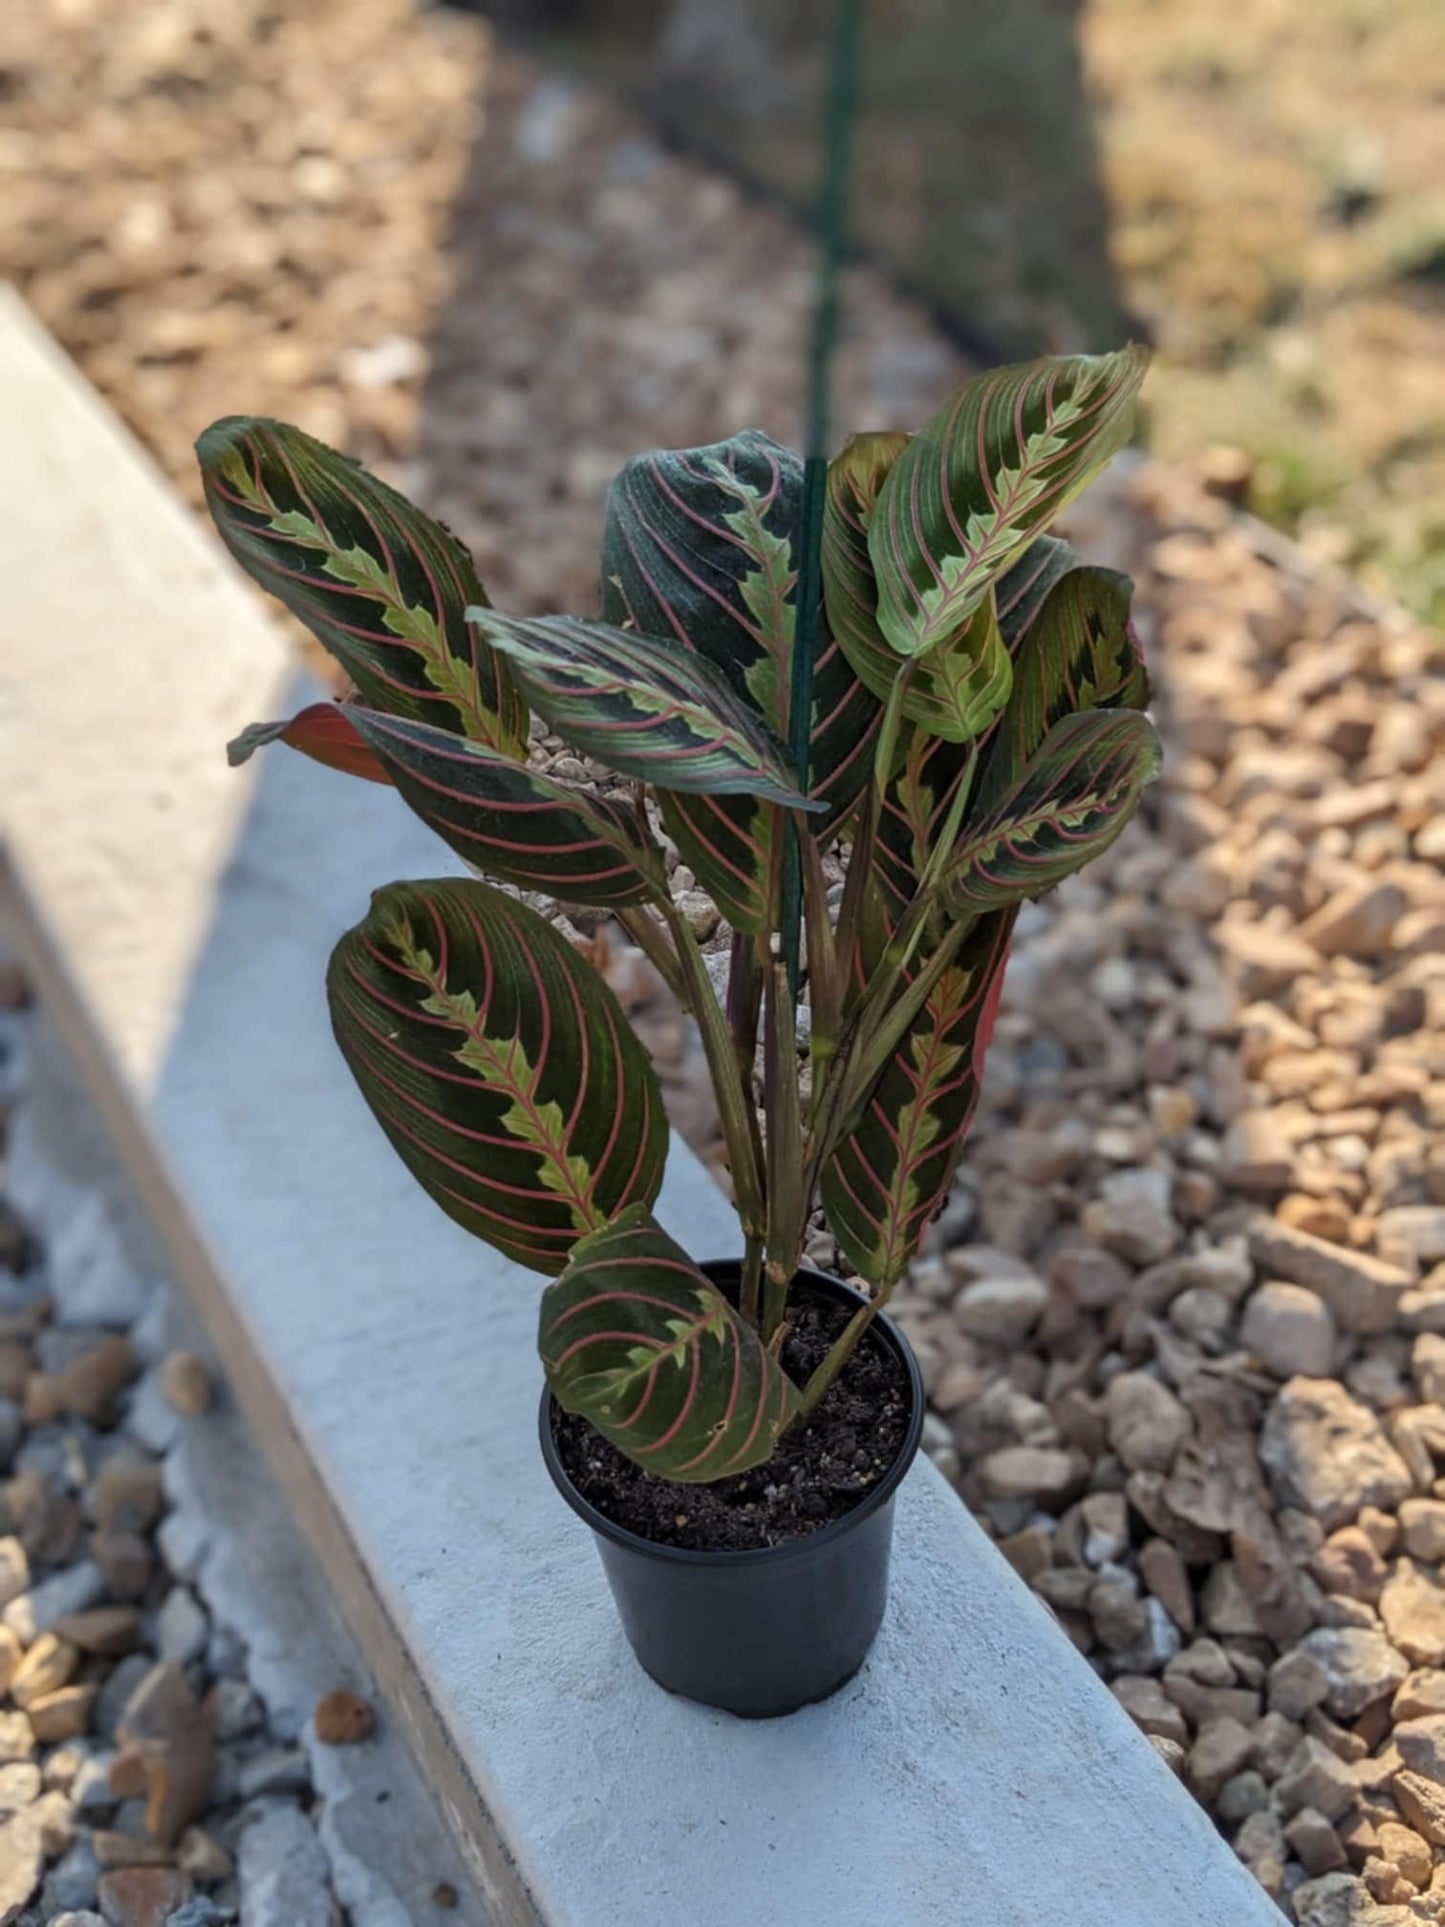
(1078, 653)
(1073, 799)
(645, 709)
(700, 551)
(639, 1342)
(986, 476)
(892, 1173)
(500, 1066)
(513, 822)
(379, 584)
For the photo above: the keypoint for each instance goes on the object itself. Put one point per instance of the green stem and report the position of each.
(735, 1108)
(824, 996)
(838, 1354)
(885, 749)
(651, 940)
(786, 1194)
(750, 1298)
(855, 890)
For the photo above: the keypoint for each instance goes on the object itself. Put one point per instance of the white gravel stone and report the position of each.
(91, 1278)
(182, 1626)
(284, 1875)
(1327, 1453)
(1002, 1309)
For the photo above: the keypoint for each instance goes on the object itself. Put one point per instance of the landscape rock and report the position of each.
(142, 1896)
(1223, 1747)
(1360, 1666)
(344, 1718)
(1002, 1310)
(1146, 1422)
(1422, 1803)
(1364, 1293)
(186, 1383)
(1412, 1606)
(1132, 1216)
(1316, 1777)
(283, 1871)
(1327, 1453)
(1290, 1330)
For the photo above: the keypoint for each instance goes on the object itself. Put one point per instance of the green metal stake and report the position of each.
(832, 231)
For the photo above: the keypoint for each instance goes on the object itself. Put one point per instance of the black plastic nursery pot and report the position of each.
(758, 1633)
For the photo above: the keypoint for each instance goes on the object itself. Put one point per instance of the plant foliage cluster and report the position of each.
(976, 734)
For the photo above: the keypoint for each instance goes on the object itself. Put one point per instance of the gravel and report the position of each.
(143, 1778)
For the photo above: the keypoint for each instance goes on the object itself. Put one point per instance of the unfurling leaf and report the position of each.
(892, 1172)
(639, 1342)
(850, 587)
(513, 822)
(986, 476)
(646, 710)
(700, 552)
(1073, 799)
(500, 1066)
(380, 585)
(322, 731)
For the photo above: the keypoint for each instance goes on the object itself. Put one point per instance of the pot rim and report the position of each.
(811, 1542)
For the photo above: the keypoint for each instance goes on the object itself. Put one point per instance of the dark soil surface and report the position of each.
(819, 1473)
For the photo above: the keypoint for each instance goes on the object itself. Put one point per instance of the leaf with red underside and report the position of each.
(515, 823)
(500, 1066)
(381, 586)
(646, 1348)
(892, 1173)
(984, 478)
(322, 731)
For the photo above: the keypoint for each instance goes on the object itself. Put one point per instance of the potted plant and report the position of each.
(732, 1426)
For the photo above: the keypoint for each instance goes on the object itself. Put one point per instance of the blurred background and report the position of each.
(494, 250)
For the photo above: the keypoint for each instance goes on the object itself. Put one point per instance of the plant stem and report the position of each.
(744, 1003)
(750, 1297)
(885, 749)
(824, 999)
(855, 890)
(735, 1107)
(787, 1197)
(839, 1352)
(651, 939)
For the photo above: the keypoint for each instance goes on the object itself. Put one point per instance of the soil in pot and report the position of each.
(819, 1472)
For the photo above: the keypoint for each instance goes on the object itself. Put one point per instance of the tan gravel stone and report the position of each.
(1222, 1748)
(1421, 1695)
(1326, 1452)
(1412, 1606)
(1407, 1852)
(1423, 1805)
(1147, 1424)
(1316, 1777)
(186, 1383)
(46, 1667)
(1363, 1293)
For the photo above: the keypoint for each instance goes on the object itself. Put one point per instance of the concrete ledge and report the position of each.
(179, 918)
